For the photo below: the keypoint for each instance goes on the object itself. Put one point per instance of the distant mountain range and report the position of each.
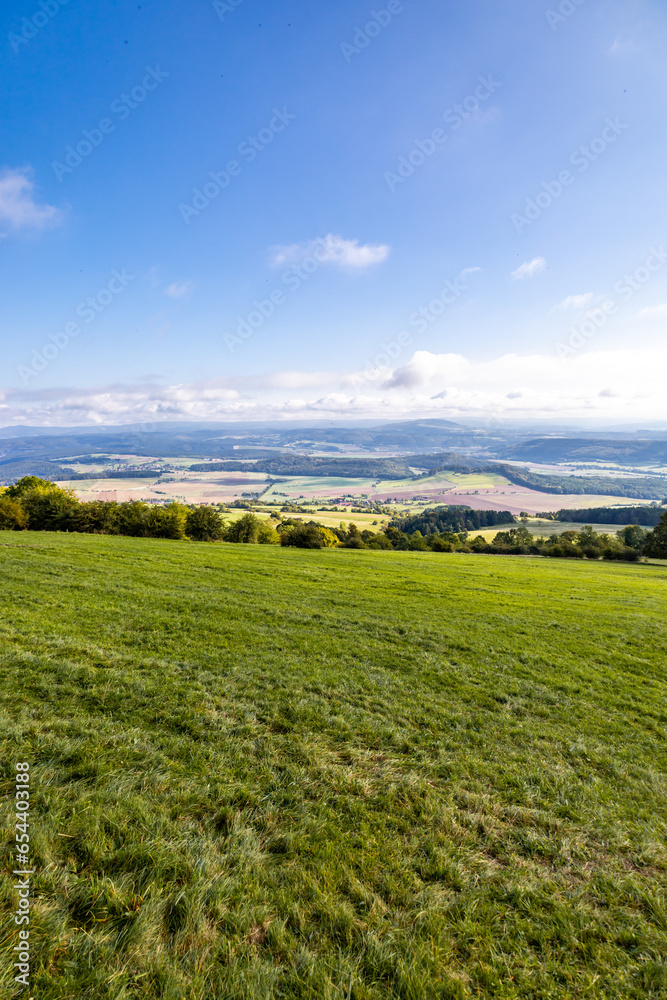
(378, 450)
(549, 450)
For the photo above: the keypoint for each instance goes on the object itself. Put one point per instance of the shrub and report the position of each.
(330, 539)
(633, 536)
(167, 522)
(95, 517)
(397, 538)
(204, 524)
(625, 553)
(656, 542)
(267, 534)
(26, 485)
(354, 539)
(438, 544)
(379, 542)
(305, 536)
(515, 536)
(48, 507)
(131, 519)
(12, 515)
(589, 541)
(244, 531)
(417, 543)
(308, 536)
(591, 551)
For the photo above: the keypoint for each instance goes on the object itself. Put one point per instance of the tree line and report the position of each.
(39, 505)
(451, 517)
(649, 516)
(639, 487)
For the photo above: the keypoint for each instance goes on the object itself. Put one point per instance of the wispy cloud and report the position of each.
(178, 289)
(151, 277)
(18, 206)
(653, 312)
(331, 249)
(575, 301)
(529, 269)
(623, 46)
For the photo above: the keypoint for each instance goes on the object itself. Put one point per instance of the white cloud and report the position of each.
(178, 289)
(529, 269)
(623, 46)
(152, 277)
(425, 367)
(299, 380)
(575, 301)
(331, 250)
(622, 385)
(653, 312)
(17, 202)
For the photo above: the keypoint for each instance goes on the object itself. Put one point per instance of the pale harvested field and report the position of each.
(515, 499)
(190, 488)
(320, 488)
(481, 492)
(544, 529)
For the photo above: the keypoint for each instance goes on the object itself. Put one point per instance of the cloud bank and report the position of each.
(620, 385)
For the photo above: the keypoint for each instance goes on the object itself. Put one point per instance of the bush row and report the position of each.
(40, 505)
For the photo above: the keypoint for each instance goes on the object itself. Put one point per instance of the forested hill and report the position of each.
(647, 516)
(303, 465)
(641, 487)
(11, 471)
(622, 452)
(354, 468)
(451, 518)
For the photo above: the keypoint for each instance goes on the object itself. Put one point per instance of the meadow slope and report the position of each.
(263, 772)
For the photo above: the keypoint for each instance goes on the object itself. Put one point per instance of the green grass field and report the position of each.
(274, 773)
(331, 485)
(329, 519)
(444, 480)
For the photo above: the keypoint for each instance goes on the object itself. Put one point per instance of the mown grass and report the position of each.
(274, 773)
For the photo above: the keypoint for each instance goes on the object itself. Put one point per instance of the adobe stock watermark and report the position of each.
(626, 287)
(23, 871)
(581, 158)
(565, 9)
(455, 117)
(249, 149)
(420, 320)
(88, 310)
(292, 279)
(222, 7)
(94, 137)
(379, 20)
(31, 26)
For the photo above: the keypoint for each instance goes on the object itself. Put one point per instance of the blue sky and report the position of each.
(414, 147)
